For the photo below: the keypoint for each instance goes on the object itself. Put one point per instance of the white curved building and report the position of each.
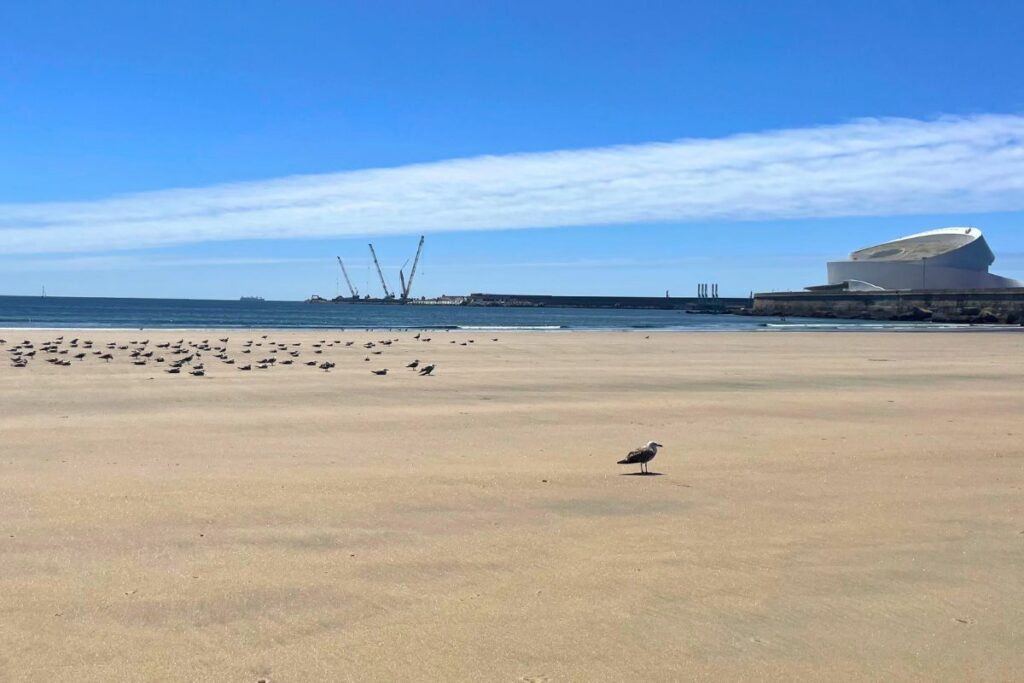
(947, 258)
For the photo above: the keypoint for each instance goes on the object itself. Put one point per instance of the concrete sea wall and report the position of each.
(993, 306)
(707, 304)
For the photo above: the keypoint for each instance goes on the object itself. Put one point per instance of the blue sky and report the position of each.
(104, 100)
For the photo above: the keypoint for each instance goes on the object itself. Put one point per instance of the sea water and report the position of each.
(112, 313)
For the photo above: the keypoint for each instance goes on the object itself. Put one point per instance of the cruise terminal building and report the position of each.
(947, 258)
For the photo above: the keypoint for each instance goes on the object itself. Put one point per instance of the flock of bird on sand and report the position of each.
(187, 355)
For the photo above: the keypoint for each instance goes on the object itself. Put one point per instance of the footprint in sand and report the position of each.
(535, 679)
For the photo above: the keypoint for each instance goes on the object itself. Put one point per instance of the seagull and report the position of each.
(380, 372)
(415, 364)
(427, 370)
(642, 456)
(173, 371)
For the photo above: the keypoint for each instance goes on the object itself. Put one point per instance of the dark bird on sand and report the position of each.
(79, 356)
(245, 367)
(641, 456)
(325, 366)
(311, 363)
(173, 371)
(198, 373)
(427, 369)
(107, 357)
(415, 364)
(380, 372)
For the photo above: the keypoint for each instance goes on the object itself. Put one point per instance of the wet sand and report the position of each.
(841, 506)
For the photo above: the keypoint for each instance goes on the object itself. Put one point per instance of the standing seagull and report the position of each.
(642, 456)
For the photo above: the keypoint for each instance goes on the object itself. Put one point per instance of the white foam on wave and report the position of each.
(509, 327)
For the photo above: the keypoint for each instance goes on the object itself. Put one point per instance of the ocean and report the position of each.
(110, 313)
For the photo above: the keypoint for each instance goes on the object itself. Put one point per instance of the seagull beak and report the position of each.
(659, 445)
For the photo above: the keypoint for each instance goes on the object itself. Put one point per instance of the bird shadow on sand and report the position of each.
(641, 474)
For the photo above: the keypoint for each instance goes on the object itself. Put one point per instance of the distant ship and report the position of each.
(251, 298)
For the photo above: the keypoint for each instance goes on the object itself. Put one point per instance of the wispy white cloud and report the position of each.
(869, 167)
(135, 262)
(779, 260)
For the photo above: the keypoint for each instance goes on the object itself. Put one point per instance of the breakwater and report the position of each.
(978, 306)
(675, 303)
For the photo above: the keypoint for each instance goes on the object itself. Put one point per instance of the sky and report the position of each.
(216, 149)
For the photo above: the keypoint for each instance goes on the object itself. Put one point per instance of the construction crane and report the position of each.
(406, 286)
(387, 292)
(355, 292)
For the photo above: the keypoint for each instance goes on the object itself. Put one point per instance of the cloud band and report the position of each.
(869, 167)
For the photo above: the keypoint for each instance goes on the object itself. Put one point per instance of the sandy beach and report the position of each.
(830, 506)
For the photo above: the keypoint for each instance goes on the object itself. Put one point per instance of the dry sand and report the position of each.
(831, 507)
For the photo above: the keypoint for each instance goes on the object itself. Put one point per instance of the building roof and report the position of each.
(919, 246)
